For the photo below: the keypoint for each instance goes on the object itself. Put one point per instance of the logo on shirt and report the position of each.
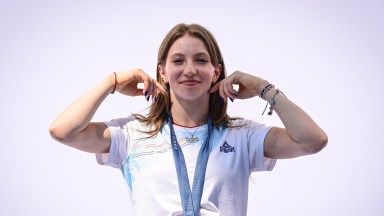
(226, 148)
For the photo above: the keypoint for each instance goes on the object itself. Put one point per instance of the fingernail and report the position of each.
(145, 93)
(155, 99)
(231, 99)
(222, 100)
(148, 98)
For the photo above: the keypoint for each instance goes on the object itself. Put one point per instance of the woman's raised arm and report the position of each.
(301, 135)
(73, 127)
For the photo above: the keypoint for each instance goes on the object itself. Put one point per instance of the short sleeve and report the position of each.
(257, 133)
(119, 143)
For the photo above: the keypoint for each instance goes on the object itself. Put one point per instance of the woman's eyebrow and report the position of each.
(199, 54)
(176, 55)
(202, 54)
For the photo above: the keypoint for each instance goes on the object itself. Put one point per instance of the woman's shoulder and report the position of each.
(129, 121)
(238, 122)
(242, 123)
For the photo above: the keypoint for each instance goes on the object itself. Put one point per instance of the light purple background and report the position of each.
(327, 56)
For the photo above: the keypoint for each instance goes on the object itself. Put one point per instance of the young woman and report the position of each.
(187, 156)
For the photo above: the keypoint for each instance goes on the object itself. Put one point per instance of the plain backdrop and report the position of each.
(325, 55)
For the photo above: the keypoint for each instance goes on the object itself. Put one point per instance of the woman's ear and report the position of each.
(218, 71)
(161, 70)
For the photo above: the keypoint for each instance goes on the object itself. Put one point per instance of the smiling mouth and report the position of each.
(190, 82)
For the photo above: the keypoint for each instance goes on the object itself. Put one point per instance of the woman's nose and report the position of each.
(190, 69)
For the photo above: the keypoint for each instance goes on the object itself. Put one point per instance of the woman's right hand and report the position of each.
(127, 84)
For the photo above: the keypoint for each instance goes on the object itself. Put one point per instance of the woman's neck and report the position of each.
(190, 114)
(185, 126)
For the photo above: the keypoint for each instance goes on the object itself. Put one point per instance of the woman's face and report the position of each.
(189, 70)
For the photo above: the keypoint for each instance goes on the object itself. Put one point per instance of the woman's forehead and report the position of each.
(187, 45)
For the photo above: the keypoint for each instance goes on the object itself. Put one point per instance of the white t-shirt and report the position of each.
(149, 170)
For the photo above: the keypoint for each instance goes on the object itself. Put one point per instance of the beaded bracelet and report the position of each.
(272, 102)
(265, 90)
(115, 85)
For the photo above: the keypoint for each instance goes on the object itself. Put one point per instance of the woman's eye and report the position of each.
(201, 61)
(178, 61)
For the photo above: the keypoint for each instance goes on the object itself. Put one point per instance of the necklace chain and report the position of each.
(191, 139)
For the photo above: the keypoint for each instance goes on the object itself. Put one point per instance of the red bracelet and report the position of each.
(115, 86)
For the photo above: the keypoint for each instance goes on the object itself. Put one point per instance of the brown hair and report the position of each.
(159, 110)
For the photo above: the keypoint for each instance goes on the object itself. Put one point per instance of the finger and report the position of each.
(225, 87)
(222, 91)
(147, 87)
(230, 91)
(215, 87)
(160, 87)
(158, 90)
(234, 80)
(153, 89)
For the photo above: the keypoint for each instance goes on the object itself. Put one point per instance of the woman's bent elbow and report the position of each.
(319, 144)
(58, 134)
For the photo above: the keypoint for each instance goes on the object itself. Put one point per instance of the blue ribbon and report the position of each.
(190, 200)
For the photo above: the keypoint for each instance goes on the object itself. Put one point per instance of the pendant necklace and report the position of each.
(191, 139)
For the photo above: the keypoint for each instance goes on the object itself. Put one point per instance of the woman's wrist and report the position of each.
(108, 84)
(273, 97)
(112, 83)
(264, 88)
(269, 95)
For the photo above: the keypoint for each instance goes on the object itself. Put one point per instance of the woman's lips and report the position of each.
(190, 82)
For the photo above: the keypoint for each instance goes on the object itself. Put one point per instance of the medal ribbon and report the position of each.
(190, 200)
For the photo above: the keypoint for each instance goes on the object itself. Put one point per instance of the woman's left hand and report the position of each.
(249, 86)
